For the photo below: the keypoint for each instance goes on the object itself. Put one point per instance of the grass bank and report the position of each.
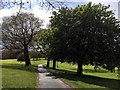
(91, 78)
(16, 75)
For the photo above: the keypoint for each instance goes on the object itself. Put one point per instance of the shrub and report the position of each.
(9, 54)
(21, 57)
(35, 54)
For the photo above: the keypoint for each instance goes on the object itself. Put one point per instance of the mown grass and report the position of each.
(16, 75)
(91, 79)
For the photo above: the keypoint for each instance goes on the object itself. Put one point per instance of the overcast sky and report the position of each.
(37, 10)
(45, 14)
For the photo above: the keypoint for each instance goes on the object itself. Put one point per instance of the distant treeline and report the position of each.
(13, 54)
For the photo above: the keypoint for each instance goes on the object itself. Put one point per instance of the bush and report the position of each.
(35, 54)
(21, 57)
(9, 54)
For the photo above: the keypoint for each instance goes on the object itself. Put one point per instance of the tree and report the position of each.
(42, 43)
(27, 4)
(84, 35)
(18, 32)
(60, 26)
(100, 26)
(9, 54)
(36, 55)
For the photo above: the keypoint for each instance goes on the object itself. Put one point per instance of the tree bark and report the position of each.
(54, 64)
(26, 55)
(79, 69)
(48, 61)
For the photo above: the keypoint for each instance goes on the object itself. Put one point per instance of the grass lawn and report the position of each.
(16, 75)
(91, 79)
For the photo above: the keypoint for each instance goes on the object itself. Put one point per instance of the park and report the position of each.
(15, 75)
(79, 49)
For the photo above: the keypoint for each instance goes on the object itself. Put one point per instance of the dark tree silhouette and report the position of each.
(18, 32)
(84, 34)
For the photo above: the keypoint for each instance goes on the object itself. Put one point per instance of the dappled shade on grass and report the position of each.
(98, 81)
(91, 78)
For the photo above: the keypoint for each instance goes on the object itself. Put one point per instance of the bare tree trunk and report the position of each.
(26, 55)
(54, 64)
(48, 61)
(79, 69)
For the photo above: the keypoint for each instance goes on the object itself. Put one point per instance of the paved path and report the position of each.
(47, 80)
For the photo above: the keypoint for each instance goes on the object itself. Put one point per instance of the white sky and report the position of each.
(44, 15)
(37, 10)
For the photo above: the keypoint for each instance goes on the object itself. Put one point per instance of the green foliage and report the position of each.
(35, 54)
(85, 34)
(9, 54)
(21, 57)
(43, 40)
(98, 30)
(18, 32)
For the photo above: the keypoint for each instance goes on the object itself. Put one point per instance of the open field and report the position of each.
(91, 79)
(16, 75)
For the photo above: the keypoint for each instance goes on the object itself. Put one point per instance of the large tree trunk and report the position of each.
(79, 69)
(26, 55)
(54, 64)
(48, 61)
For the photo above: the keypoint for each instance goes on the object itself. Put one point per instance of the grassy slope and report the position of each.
(91, 79)
(15, 75)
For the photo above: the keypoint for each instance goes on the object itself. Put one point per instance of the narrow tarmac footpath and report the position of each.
(47, 80)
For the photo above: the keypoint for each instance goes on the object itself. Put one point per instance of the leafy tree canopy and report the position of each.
(18, 32)
(84, 34)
